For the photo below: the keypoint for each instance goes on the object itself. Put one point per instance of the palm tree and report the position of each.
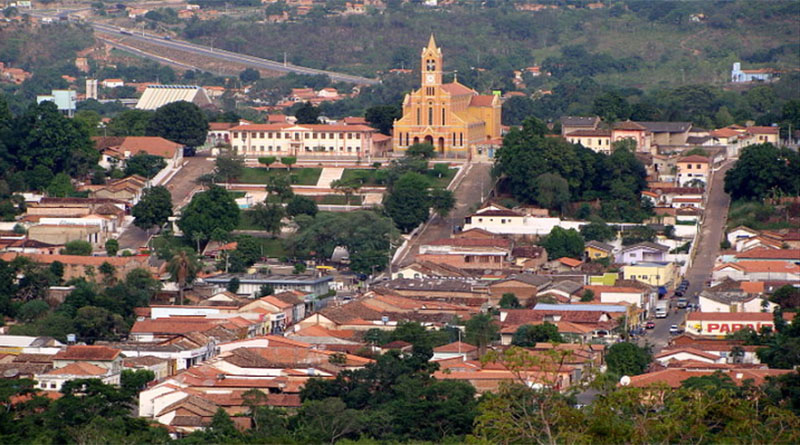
(183, 268)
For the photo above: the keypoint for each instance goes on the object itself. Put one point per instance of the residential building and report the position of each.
(595, 250)
(458, 349)
(642, 253)
(77, 266)
(65, 101)
(635, 296)
(654, 274)
(82, 362)
(128, 189)
(764, 135)
(595, 140)
(112, 83)
(468, 253)
(722, 347)
(250, 284)
(427, 269)
(116, 150)
(306, 140)
(524, 286)
(156, 96)
(571, 124)
(160, 367)
(673, 376)
(735, 296)
(756, 271)
(633, 131)
(738, 75)
(692, 169)
(449, 116)
(668, 133)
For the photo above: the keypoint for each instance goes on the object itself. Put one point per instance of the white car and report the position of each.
(673, 330)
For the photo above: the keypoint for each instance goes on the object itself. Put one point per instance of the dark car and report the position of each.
(679, 293)
(650, 325)
(188, 152)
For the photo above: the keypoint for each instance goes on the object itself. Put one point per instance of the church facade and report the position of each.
(453, 118)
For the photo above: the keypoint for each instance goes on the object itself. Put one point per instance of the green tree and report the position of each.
(210, 210)
(382, 117)
(407, 203)
(112, 247)
(130, 123)
(267, 161)
(153, 209)
(328, 420)
(588, 295)
(134, 381)
(627, 359)
(528, 335)
(611, 106)
(307, 113)
(268, 217)
(552, 191)
(265, 290)
(60, 186)
(280, 186)
(563, 243)
(33, 310)
(480, 331)
(228, 168)
(77, 247)
(762, 169)
(517, 109)
(183, 268)
(182, 122)
(144, 164)
(442, 201)
(787, 297)
(96, 323)
(249, 75)
(598, 230)
(301, 205)
(233, 285)
(423, 151)
(288, 161)
(509, 301)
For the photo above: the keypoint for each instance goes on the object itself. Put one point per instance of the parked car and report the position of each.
(682, 303)
(650, 325)
(674, 330)
(679, 293)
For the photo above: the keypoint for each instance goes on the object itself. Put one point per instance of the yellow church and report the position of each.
(452, 117)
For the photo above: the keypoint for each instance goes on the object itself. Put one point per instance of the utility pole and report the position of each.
(284, 58)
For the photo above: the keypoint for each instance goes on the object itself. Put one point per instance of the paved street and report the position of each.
(476, 185)
(711, 233)
(180, 186)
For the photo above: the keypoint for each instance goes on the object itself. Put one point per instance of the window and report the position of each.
(698, 166)
(235, 147)
(485, 259)
(349, 135)
(688, 166)
(236, 134)
(322, 135)
(287, 135)
(460, 139)
(331, 148)
(307, 135)
(269, 135)
(358, 135)
(467, 259)
(443, 120)
(262, 148)
(269, 148)
(332, 136)
(419, 119)
(277, 135)
(454, 139)
(314, 136)
(430, 115)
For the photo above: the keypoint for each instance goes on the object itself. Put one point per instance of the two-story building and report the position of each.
(692, 169)
(468, 253)
(310, 140)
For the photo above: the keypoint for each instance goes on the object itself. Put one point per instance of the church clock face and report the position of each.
(429, 78)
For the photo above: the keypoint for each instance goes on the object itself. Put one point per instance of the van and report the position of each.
(662, 310)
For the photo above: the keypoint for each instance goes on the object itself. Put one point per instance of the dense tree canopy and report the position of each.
(563, 243)
(764, 171)
(209, 210)
(627, 359)
(153, 209)
(182, 122)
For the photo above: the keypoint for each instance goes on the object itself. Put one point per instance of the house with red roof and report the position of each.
(468, 253)
(458, 349)
(692, 169)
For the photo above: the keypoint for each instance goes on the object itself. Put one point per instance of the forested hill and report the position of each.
(640, 43)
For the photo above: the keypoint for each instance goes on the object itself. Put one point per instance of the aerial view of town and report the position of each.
(367, 222)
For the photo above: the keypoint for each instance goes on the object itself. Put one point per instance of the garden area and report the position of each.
(441, 175)
(299, 176)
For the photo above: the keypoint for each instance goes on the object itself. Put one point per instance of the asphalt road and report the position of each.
(474, 187)
(181, 187)
(226, 56)
(711, 232)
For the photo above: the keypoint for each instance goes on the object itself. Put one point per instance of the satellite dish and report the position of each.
(625, 381)
(11, 373)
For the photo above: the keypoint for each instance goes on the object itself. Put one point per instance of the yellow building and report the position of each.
(451, 117)
(654, 274)
(596, 250)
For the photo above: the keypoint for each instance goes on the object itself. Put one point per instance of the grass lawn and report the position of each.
(246, 221)
(271, 247)
(369, 176)
(300, 176)
(237, 194)
(337, 200)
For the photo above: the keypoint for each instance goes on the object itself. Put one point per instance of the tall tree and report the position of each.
(382, 117)
(183, 268)
(480, 331)
(563, 243)
(763, 169)
(153, 209)
(268, 217)
(408, 202)
(307, 114)
(442, 201)
(144, 164)
(182, 122)
(209, 210)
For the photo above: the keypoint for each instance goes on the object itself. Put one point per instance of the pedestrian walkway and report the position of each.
(372, 199)
(329, 175)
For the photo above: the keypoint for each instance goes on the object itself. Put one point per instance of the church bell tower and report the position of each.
(431, 67)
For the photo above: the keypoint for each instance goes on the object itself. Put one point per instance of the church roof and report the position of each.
(456, 89)
(482, 100)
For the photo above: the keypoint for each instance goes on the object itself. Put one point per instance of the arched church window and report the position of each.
(431, 65)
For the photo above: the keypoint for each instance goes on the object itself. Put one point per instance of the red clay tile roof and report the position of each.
(89, 353)
(456, 347)
(694, 158)
(590, 133)
(673, 377)
(724, 133)
(571, 262)
(762, 130)
(79, 368)
(472, 242)
(116, 261)
(763, 253)
(629, 125)
(688, 350)
(481, 101)
(456, 89)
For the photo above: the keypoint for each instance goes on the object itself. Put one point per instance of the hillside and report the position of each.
(667, 48)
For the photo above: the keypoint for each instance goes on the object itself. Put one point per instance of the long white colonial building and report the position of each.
(285, 139)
